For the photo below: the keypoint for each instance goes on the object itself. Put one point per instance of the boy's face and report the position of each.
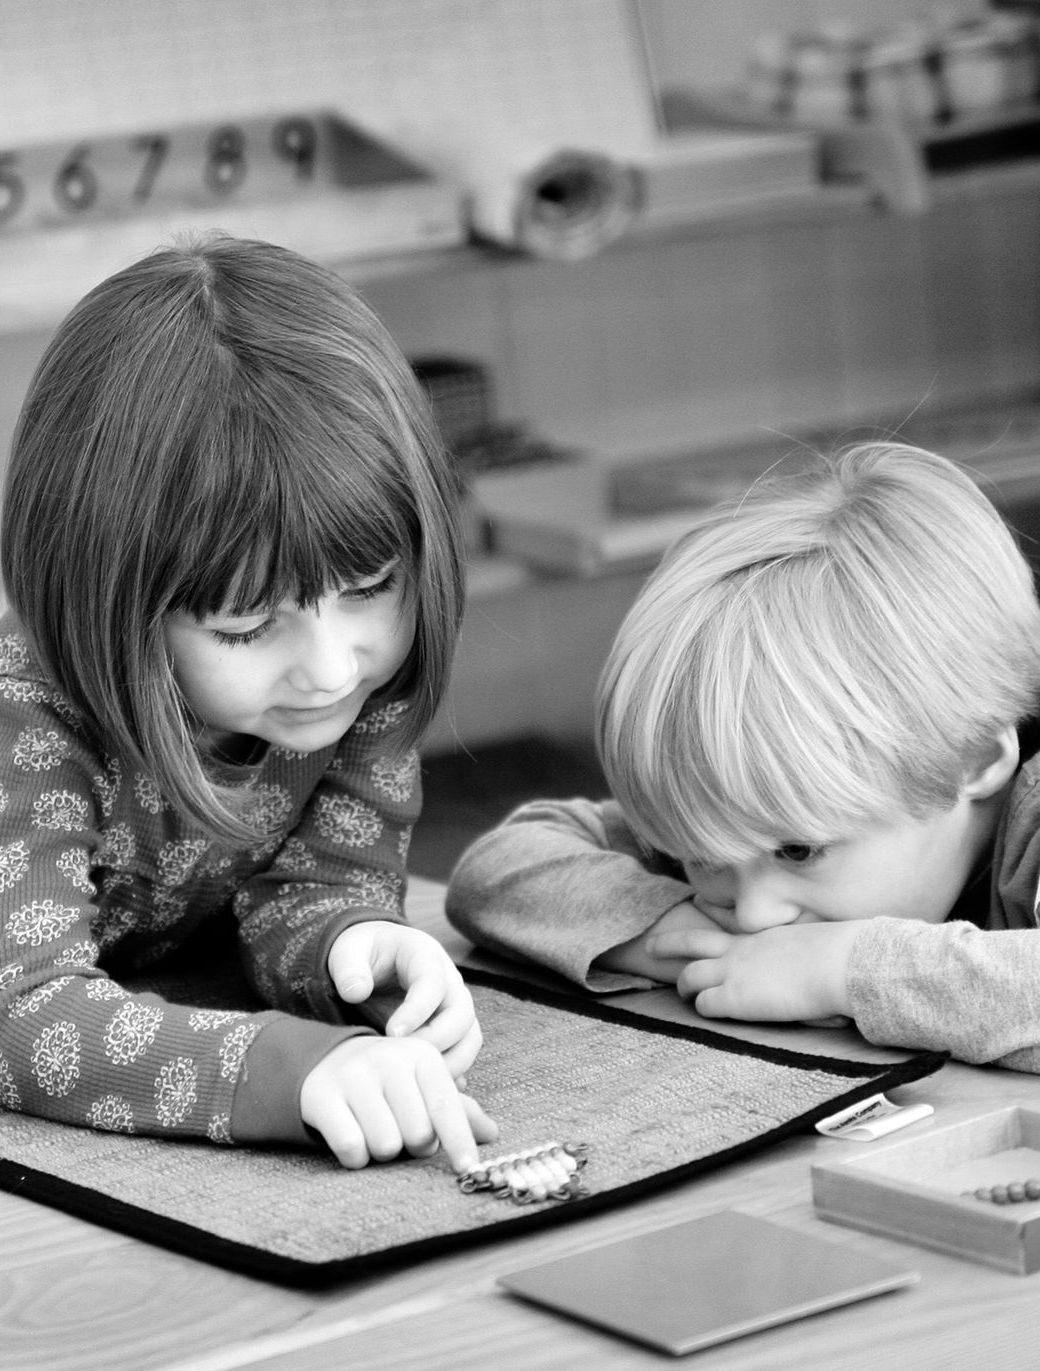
(905, 869)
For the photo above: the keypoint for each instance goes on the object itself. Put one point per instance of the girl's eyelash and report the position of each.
(252, 635)
(243, 639)
(370, 592)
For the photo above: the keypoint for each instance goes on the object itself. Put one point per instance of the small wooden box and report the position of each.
(914, 1189)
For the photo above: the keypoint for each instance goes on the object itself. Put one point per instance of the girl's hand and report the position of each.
(437, 1007)
(647, 955)
(791, 972)
(373, 1098)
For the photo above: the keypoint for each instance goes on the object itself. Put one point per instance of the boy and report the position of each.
(813, 722)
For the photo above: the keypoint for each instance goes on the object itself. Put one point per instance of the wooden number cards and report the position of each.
(194, 166)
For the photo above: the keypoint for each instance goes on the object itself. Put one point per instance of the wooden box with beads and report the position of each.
(971, 1189)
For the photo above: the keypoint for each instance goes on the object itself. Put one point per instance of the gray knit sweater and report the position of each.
(561, 882)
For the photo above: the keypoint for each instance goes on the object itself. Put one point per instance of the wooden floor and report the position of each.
(467, 792)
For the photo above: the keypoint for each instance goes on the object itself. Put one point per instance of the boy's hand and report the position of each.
(437, 1007)
(641, 956)
(791, 972)
(372, 1098)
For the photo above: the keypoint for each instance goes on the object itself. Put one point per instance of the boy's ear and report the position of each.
(992, 771)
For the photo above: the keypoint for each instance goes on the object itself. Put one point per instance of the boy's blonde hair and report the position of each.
(830, 650)
(222, 425)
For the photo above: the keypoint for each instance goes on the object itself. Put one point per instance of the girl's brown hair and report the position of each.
(222, 425)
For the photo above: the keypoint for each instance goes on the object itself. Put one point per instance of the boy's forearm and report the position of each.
(949, 987)
(540, 896)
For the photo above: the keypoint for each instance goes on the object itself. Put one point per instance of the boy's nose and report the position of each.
(745, 902)
(757, 907)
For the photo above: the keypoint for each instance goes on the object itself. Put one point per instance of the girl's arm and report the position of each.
(77, 1045)
(560, 883)
(343, 863)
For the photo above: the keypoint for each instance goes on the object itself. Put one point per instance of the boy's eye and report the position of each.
(798, 853)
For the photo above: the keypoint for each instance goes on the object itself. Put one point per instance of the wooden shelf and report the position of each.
(906, 166)
(43, 274)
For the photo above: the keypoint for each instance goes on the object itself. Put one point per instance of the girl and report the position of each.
(231, 550)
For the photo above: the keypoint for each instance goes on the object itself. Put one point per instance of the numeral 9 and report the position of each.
(296, 140)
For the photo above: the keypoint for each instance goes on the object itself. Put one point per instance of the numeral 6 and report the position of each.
(12, 187)
(75, 186)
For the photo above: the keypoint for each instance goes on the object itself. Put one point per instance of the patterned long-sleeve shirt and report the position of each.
(101, 880)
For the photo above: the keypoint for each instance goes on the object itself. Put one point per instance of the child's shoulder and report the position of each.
(16, 659)
(24, 684)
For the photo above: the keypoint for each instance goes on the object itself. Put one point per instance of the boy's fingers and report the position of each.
(710, 1005)
(689, 943)
(697, 976)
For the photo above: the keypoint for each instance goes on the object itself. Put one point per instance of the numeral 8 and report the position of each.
(226, 160)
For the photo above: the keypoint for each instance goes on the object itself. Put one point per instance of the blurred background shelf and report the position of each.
(733, 320)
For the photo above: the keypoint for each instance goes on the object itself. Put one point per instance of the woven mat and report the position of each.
(655, 1103)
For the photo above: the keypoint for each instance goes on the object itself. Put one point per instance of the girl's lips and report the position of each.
(310, 715)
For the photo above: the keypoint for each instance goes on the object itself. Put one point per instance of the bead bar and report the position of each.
(550, 1171)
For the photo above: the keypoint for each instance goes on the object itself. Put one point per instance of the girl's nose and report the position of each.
(327, 659)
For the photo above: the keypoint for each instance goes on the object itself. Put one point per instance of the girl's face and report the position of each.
(296, 678)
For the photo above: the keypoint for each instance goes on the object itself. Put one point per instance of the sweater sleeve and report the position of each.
(974, 993)
(344, 863)
(559, 883)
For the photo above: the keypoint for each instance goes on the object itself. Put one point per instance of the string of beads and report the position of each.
(1014, 1192)
(550, 1171)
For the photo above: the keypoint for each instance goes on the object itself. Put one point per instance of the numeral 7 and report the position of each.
(155, 147)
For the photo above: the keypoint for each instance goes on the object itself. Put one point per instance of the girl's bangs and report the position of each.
(309, 523)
